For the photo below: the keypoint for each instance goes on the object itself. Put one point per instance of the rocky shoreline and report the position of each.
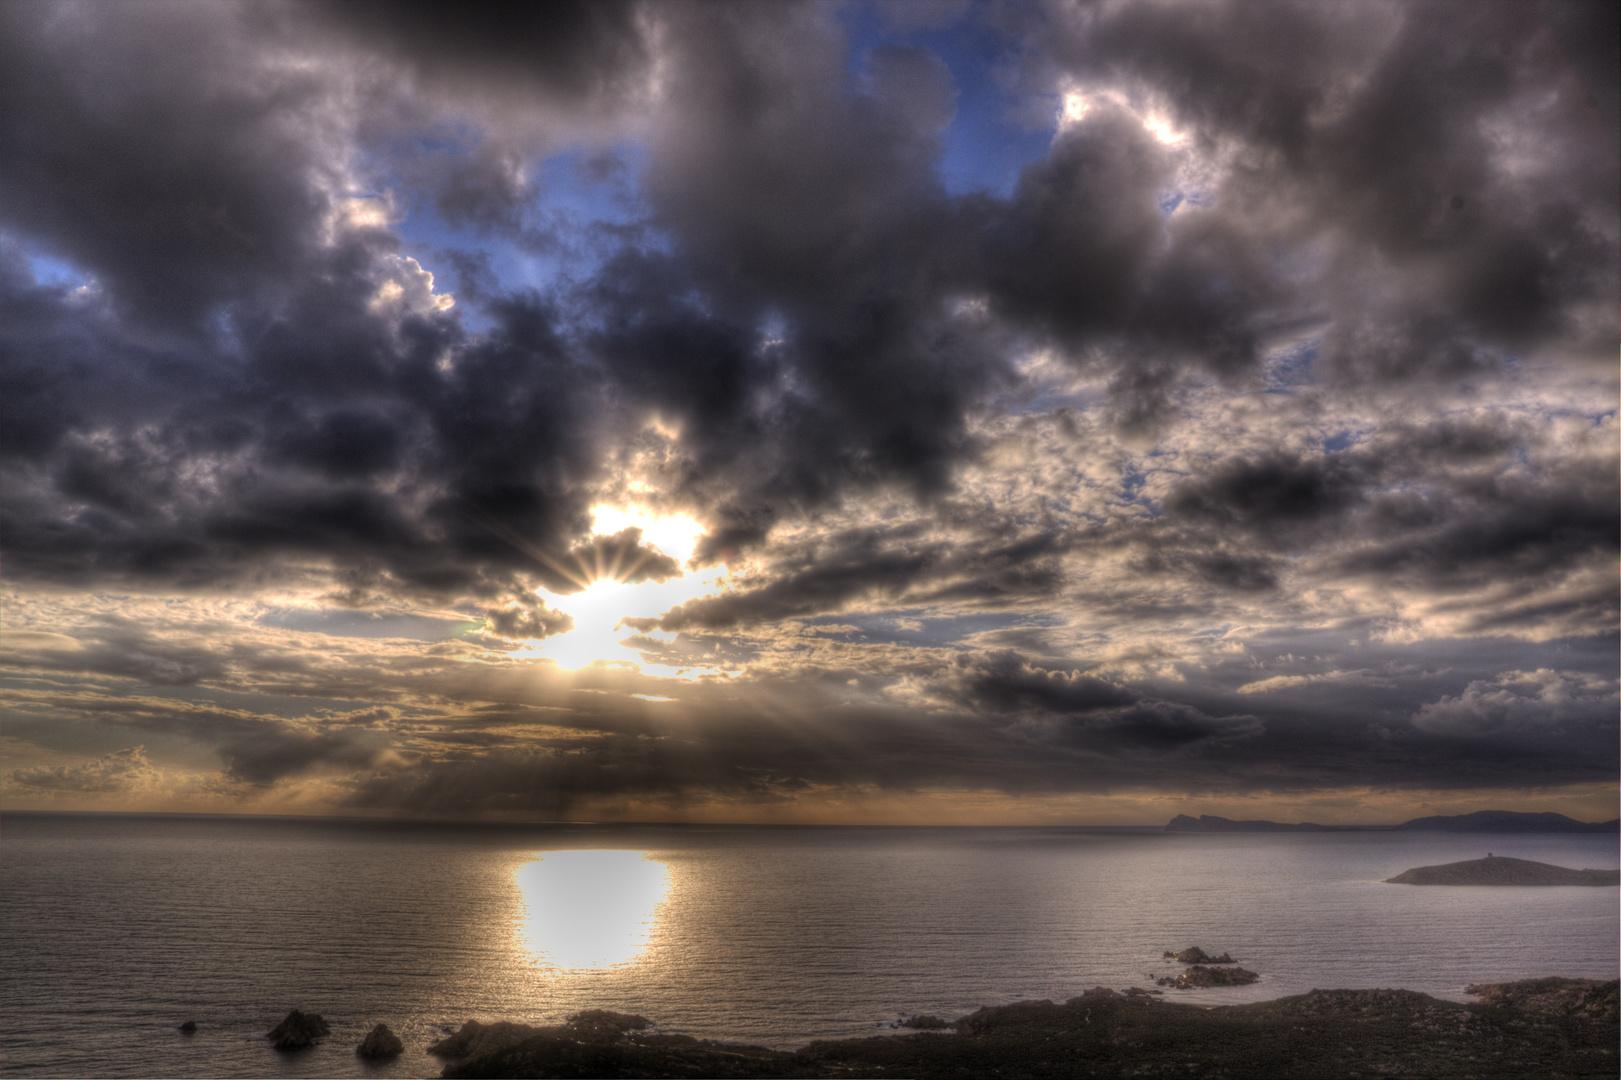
(1543, 1027)
(1551, 1027)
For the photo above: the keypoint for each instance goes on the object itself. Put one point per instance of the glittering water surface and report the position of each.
(115, 929)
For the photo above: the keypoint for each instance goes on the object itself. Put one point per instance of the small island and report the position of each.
(1501, 870)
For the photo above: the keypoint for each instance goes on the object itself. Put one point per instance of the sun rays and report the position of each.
(611, 573)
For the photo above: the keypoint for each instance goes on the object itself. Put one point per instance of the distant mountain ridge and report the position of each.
(1509, 821)
(1481, 821)
(1211, 823)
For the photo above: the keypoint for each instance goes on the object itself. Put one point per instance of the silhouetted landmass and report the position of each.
(1510, 821)
(1482, 821)
(1211, 823)
(1543, 1027)
(1500, 870)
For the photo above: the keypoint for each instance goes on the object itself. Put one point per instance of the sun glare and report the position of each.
(600, 608)
(590, 910)
(1076, 105)
(675, 535)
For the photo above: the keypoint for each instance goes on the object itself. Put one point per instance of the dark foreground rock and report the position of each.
(593, 1026)
(298, 1031)
(1197, 955)
(1501, 870)
(380, 1042)
(1545, 1027)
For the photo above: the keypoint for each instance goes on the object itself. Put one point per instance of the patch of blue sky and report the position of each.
(1173, 200)
(1131, 485)
(1341, 440)
(1292, 367)
(995, 133)
(346, 622)
(46, 269)
(586, 204)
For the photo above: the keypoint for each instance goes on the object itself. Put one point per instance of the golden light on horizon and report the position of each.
(589, 911)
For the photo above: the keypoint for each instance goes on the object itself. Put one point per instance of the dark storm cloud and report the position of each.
(1008, 682)
(520, 620)
(1376, 123)
(180, 185)
(798, 202)
(577, 51)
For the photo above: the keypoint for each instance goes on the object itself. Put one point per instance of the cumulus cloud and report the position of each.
(1523, 703)
(118, 773)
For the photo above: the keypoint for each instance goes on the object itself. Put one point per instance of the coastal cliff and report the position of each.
(1501, 870)
(1544, 1027)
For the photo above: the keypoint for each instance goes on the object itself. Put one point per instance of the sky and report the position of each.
(886, 413)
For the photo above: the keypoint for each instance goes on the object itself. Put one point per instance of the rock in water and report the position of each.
(1197, 955)
(189, 1028)
(298, 1031)
(476, 1040)
(380, 1042)
(602, 1025)
(1499, 870)
(1199, 976)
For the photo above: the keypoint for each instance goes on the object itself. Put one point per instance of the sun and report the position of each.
(600, 607)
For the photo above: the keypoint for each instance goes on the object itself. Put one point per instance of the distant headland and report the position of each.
(1501, 870)
(1482, 821)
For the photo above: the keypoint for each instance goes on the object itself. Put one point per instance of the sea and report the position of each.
(116, 929)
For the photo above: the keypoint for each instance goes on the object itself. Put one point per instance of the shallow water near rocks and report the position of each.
(115, 929)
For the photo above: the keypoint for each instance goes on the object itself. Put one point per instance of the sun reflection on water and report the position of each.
(590, 910)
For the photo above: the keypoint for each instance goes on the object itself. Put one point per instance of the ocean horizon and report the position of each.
(118, 928)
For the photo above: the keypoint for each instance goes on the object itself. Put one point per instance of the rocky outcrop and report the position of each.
(1501, 870)
(925, 1022)
(1198, 976)
(1553, 998)
(189, 1028)
(380, 1042)
(1197, 955)
(474, 1039)
(601, 1025)
(298, 1031)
